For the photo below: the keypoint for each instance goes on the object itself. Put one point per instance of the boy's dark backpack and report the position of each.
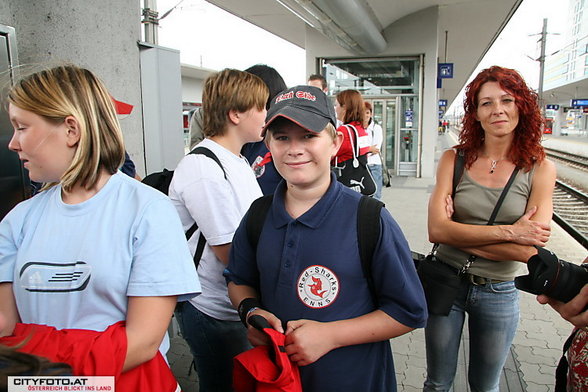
(161, 181)
(368, 231)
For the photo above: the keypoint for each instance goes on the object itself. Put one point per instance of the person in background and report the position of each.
(374, 161)
(350, 111)
(96, 260)
(257, 153)
(306, 271)
(196, 124)
(319, 81)
(501, 132)
(233, 103)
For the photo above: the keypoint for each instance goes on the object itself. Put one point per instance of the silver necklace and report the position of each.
(493, 165)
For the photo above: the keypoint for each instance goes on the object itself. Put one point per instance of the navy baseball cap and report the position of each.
(307, 106)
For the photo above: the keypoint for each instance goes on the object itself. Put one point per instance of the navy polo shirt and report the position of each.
(309, 268)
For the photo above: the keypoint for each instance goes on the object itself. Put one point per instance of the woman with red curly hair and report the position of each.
(502, 130)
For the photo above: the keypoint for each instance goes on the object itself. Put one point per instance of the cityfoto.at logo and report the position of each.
(60, 383)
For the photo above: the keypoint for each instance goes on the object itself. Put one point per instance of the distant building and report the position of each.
(566, 77)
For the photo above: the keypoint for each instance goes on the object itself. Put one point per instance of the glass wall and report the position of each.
(392, 85)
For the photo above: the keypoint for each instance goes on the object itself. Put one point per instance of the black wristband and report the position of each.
(245, 306)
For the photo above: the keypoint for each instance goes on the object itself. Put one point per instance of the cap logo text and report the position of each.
(299, 94)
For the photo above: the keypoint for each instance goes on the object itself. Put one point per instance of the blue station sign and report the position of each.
(580, 102)
(442, 102)
(445, 71)
(552, 107)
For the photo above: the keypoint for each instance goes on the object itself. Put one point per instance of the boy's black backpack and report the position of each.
(161, 181)
(368, 231)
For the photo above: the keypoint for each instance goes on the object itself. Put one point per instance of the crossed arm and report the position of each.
(498, 242)
(308, 340)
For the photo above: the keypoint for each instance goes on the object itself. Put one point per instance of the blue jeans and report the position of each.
(213, 344)
(376, 171)
(493, 312)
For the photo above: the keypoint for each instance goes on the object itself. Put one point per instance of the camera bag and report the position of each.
(441, 281)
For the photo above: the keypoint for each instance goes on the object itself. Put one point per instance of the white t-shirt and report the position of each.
(200, 193)
(74, 266)
(376, 138)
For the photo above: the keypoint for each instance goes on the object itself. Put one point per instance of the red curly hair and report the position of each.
(526, 149)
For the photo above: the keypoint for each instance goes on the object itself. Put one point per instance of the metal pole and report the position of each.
(542, 64)
(151, 21)
(446, 32)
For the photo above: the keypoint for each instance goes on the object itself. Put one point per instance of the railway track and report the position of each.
(570, 203)
(572, 160)
(570, 211)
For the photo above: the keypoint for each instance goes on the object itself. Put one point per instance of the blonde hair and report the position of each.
(227, 90)
(68, 90)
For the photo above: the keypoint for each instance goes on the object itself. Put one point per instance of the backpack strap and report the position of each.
(201, 240)
(256, 218)
(368, 234)
(207, 152)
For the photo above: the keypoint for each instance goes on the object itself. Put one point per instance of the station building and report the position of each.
(405, 57)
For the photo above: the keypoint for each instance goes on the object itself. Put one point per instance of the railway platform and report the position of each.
(540, 336)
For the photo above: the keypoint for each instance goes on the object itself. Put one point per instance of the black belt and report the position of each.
(480, 280)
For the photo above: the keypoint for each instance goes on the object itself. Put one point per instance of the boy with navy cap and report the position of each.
(305, 276)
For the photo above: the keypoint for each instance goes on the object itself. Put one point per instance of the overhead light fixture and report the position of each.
(362, 37)
(318, 20)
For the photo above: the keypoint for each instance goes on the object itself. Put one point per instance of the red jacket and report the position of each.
(266, 368)
(92, 353)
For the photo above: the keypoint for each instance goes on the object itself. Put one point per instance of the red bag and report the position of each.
(266, 368)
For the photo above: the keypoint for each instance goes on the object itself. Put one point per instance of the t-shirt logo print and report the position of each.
(55, 277)
(317, 286)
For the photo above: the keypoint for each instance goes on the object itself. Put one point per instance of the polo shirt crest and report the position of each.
(317, 287)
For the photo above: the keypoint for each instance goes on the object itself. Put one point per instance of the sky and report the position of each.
(213, 38)
(518, 45)
(210, 37)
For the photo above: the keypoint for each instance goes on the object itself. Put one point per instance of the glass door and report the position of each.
(408, 137)
(385, 114)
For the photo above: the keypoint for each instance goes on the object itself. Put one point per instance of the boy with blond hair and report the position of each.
(216, 197)
(305, 276)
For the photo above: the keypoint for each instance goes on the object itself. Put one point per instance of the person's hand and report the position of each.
(260, 338)
(307, 341)
(573, 311)
(449, 206)
(374, 150)
(528, 232)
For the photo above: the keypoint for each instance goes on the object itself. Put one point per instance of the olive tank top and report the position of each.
(473, 204)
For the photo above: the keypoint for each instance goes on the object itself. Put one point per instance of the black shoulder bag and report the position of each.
(441, 281)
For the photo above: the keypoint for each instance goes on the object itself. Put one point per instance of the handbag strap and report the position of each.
(353, 140)
(472, 258)
(458, 166)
